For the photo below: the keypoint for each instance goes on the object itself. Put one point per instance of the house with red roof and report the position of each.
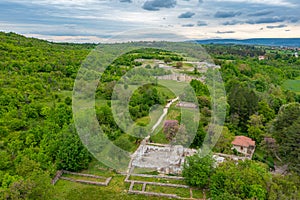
(244, 145)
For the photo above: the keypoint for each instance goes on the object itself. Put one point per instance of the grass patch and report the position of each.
(174, 86)
(293, 85)
(165, 91)
(78, 177)
(117, 189)
(173, 112)
(157, 180)
(98, 169)
(144, 121)
(160, 137)
(198, 194)
(181, 192)
(137, 187)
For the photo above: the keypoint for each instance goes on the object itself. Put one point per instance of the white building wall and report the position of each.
(240, 149)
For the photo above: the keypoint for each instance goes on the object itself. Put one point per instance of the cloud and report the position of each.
(292, 19)
(186, 15)
(200, 1)
(155, 5)
(188, 25)
(260, 13)
(126, 1)
(266, 20)
(201, 23)
(279, 26)
(234, 22)
(277, 3)
(225, 32)
(221, 14)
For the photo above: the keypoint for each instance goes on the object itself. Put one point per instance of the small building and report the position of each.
(261, 57)
(244, 145)
(296, 55)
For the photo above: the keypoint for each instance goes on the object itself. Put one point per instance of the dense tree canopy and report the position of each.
(37, 135)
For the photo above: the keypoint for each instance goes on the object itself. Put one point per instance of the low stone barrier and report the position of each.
(158, 176)
(57, 177)
(162, 184)
(61, 172)
(84, 175)
(84, 181)
(154, 194)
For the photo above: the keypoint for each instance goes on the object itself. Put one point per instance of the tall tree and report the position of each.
(197, 170)
(286, 131)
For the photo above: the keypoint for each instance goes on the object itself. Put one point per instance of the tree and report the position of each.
(199, 137)
(123, 143)
(36, 186)
(285, 187)
(243, 102)
(256, 127)
(265, 110)
(179, 65)
(167, 60)
(71, 155)
(223, 144)
(197, 170)
(245, 180)
(286, 131)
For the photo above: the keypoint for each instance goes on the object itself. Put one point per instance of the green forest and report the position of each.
(38, 135)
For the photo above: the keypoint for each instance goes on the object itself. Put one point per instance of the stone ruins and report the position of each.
(165, 159)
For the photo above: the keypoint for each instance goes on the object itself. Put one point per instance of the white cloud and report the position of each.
(265, 2)
(91, 19)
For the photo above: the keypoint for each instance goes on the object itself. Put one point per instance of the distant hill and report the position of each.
(285, 42)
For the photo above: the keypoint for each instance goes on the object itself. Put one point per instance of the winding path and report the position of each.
(165, 111)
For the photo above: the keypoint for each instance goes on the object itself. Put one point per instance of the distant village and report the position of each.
(292, 51)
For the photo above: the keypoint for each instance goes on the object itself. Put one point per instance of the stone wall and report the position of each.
(61, 172)
(57, 177)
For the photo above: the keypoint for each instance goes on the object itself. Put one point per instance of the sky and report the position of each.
(110, 20)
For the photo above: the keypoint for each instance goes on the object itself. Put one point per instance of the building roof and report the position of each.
(243, 141)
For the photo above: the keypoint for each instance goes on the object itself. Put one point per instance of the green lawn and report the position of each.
(160, 137)
(181, 192)
(165, 91)
(293, 85)
(174, 86)
(117, 189)
(77, 177)
(197, 194)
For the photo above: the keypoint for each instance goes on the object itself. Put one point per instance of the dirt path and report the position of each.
(165, 111)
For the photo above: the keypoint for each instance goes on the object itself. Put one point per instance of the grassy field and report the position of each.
(117, 189)
(165, 91)
(77, 177)
(181, 192)
(160, 137)
(293, 85)
(174, 86)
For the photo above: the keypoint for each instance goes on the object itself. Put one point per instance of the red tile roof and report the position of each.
(243, 141)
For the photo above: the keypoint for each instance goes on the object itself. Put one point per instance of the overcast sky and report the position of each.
(99, 20)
